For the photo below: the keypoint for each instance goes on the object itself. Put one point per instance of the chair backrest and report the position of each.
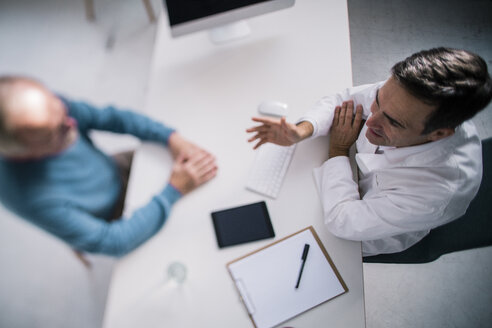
(472, 230)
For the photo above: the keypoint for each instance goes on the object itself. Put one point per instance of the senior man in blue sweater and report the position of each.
(53, 176)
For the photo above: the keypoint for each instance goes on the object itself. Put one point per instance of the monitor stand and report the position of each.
(229, 32)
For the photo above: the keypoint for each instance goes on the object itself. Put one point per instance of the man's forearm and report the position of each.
(334, 152)
(110, 118)
(304, 129)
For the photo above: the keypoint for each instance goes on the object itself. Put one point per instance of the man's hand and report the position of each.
(345, 128)
(279, 131)
(180, 146)
(191, 171)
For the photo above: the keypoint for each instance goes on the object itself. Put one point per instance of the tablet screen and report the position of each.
(242, 224)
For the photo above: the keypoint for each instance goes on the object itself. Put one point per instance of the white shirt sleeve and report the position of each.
(385, 211)
(321, 115)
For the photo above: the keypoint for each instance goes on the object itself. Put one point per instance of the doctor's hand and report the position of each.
(278, 131)
(191, 171)
(345, 128)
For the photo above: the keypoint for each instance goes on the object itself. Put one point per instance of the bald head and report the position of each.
(29, 102)
(23, 101)
(32, 119)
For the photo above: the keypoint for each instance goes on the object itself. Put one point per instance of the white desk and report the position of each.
(209, 94)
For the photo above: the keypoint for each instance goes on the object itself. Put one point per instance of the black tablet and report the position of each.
(242, 224)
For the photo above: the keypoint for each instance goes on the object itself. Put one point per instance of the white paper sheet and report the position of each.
(266, 280)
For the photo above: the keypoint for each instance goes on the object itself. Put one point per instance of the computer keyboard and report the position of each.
(269, 168)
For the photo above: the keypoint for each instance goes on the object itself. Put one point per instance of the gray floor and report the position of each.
(43, 285)
(455, 290)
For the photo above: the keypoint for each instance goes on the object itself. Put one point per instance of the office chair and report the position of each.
(472, 230)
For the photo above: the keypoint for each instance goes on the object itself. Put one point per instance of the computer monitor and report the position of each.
(223, 18)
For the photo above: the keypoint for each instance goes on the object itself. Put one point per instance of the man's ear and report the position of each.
(440, 134)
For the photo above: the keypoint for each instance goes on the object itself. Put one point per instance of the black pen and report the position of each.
(303, 258)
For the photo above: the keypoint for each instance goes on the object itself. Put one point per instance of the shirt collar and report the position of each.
(420, 155)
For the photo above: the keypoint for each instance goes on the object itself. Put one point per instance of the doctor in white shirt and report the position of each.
(418, 155)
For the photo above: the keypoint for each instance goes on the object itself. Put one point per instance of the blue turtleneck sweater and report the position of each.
(73, 193)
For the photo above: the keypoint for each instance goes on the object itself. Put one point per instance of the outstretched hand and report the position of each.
(191, 171)
(278, 131)
(345, 128)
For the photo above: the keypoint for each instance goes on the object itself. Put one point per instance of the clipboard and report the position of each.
(266, 279)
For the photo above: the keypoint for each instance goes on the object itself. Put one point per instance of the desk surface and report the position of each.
(209, 93)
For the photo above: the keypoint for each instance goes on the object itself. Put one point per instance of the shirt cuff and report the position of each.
(171, 194)
(334, 167)
(338, 160)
